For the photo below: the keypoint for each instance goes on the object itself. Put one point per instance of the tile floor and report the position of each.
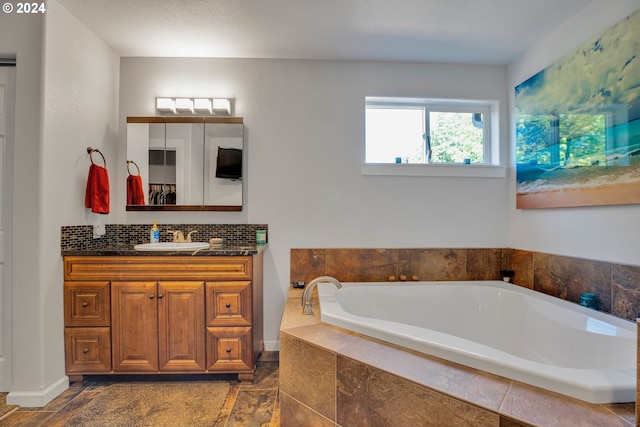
(251, 405)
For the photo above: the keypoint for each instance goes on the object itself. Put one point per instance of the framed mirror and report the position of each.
(185, 163)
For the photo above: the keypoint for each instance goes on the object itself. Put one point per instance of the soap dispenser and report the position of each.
(154, 235)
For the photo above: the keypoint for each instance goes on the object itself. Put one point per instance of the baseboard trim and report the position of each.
(37, 399)
(272, 345)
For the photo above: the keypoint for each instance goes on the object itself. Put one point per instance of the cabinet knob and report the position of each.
(228, 350)
(160, 296)
(85, 350)
(151, 296)
(84, 304)
(228, 305)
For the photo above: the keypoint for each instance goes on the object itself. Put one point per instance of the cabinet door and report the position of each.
(134, 315)
(229, 349)
(181, 326)
(229, 304)
(87, 349)
(86, 304)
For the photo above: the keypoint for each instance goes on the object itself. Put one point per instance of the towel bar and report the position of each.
(95, 150)
(135, 164)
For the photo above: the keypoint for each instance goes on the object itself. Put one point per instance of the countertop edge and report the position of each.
(243, 250)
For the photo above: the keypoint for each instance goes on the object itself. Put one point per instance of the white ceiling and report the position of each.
(455, 31)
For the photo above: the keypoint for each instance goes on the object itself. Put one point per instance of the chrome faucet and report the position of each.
(307, 294)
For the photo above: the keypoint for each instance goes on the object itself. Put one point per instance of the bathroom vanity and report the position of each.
(163, 314)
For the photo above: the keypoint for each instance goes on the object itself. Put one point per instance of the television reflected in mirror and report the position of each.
(229, 163)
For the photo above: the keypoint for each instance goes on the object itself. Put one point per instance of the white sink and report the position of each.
(171, 246)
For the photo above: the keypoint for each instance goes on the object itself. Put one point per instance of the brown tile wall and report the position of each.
(364, 396)
(374, 265)
(617, 285)
(305, 366)
(321, 388)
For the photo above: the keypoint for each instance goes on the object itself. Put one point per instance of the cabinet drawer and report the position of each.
(157, 268)
(229, 349)
(228, 304)
(87, 304)
(87, 349)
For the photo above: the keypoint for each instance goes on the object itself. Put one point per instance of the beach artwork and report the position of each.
(578, 125)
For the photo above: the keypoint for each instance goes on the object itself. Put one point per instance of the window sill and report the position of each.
(443, 170)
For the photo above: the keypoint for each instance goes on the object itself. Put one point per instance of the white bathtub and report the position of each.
(497, 327)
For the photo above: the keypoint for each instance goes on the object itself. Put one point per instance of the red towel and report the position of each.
(135, 194)
(97, 193)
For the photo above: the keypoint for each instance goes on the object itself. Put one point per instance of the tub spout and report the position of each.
(306, 295)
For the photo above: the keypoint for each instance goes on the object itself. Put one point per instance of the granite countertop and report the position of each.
(230, 249)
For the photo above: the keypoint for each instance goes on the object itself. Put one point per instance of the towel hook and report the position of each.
(95, 150)
(135, 164)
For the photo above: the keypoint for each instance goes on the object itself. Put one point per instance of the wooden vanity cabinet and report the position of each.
(87, 334)
(162, 314)
(229, 325)
(158, 326)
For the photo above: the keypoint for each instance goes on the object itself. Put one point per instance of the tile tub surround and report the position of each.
(617, 285)
(80, 237)
(560, 276)
(333, 377)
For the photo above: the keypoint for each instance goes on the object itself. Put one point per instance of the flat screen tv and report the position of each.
(229, 163)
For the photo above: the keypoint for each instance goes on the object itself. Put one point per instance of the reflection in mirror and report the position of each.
(179, 161)
(223, 176)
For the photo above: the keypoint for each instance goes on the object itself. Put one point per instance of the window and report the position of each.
(431, 137)
(420, 132)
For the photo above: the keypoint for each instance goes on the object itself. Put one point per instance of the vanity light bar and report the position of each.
(221, 106)
(213, 106)
(203, 105)
(184, 105)
(165, 105)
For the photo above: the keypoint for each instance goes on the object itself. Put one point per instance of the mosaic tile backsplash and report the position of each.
(617, 285)
(80, 237)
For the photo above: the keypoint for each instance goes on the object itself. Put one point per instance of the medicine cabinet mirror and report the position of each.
(186, 163)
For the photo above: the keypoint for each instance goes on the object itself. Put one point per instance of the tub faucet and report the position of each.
(307, 294)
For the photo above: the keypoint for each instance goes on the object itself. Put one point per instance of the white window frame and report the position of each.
(490, 168)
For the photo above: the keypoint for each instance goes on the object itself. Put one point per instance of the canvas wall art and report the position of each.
(578, 125)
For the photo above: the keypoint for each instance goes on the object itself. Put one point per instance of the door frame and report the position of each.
(8, 78)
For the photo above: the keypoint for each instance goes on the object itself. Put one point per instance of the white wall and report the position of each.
(304, 134)
(608, 233)
(78, 108)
